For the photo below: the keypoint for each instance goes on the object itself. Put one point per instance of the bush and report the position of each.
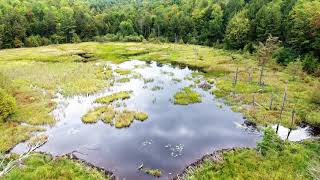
(270, 142)
(284, 55)
(7, 105)
(45, 41)
(311, 64)
(17, 43)
(75, 38)
(33, 41)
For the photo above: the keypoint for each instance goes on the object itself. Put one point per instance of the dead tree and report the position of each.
(271, 101)
(264, 54)
(235, 78)
(283, 104)
(33, 144)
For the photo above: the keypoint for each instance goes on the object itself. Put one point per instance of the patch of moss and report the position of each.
(104, 113)
(123, 71)
(123, 80)
(156, 88)
(187, 96)
(46, 167)
(141, 116)
(124, 118)
(153, 172)
(113, 97)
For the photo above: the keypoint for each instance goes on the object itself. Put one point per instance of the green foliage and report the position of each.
(126, 28)
(33, 41)
(187, 96)
(237, 32)
(42, 166)
(295, 161)
(7, 105)
(270, 142)
(311, 64)
(113, 97)
(284, 55)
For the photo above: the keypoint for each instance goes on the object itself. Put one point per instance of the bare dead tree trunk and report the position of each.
(261, 75)
(283, 104)
(235, 79)
(271, 102)
(292, 117)
(253, 101)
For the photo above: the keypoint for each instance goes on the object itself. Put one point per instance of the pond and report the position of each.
(171, 138)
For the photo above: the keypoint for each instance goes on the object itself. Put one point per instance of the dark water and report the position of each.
(173, 136)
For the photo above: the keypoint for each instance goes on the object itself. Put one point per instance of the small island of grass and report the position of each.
(187, 96)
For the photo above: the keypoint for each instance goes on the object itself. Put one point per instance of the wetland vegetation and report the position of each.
(130, 64)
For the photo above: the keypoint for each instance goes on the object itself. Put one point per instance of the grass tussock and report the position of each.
(104, 113)
(46, 167)
(187, 96)
(113, 97)
(123, 71)
(124, 118)
(153, 172)
(141, 116)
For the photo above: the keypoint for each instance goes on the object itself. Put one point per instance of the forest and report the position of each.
(232, 24)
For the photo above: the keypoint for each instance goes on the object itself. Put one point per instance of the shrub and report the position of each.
(269, 142)
(7, 105)
(284, 55)
(311, 64)
(45, 41)
(75, 38)
(33, 41)
(18, 43)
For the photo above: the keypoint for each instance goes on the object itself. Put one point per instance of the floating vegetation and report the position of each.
(104, 113)
(153, 172)
(148, 80)
(187, 96)
(156, 88)
(167, 73)
(197, 81)
(107, 114)
(123, 71)
(124, 118)
(113, 97)
(123, 80)
(177, 80)
(141, 116)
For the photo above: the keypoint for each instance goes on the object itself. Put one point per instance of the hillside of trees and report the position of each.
(232, 24)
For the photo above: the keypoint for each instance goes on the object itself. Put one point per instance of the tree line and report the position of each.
(233, 24)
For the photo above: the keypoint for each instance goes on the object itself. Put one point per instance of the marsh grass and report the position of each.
(113, 97)
(153, 172)
(104, 113)
(123, 80)
(13, 133)
(284, 160)
(124, 118)
(187, 96)
(141, 116)
(42, 166)
(123, 71)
